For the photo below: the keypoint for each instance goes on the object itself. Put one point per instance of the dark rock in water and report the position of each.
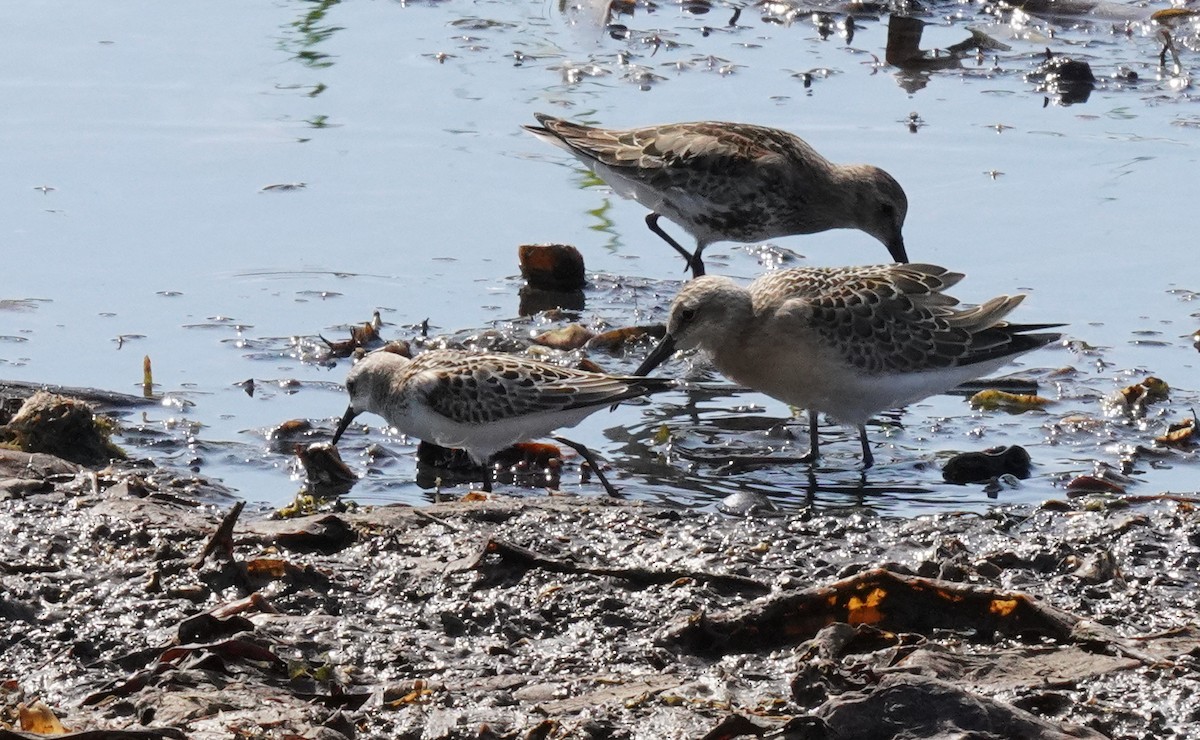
(1070, 79)
(978, 467)
(748, 504)
(1064, 70)
(557, 267)
(534, 300)
(1125, 74)
(63, 427)
(521, 454)
(325, 474)
(436, 456)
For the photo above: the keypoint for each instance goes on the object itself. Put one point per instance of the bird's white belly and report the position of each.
(848, 396)
(482, 440)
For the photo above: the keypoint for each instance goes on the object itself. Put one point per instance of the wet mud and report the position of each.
(140, 602)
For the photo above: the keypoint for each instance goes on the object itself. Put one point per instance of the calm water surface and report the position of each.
(157, 126)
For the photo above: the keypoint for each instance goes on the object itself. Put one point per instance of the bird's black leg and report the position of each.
(814, 442)
(693, 259)
(586, 454)
(868, 458)
(487, 477)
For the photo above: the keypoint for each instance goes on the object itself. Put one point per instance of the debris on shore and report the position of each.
(139, 603)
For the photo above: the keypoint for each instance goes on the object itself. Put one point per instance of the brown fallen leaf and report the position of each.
(37, 717)
(1181, 435)
(420, 693)
(268, 567)
(569, 337)
(995, 399)
(361, 336)
(1094, 484)
(1149, 390)
(1172, 17)
(615, 339)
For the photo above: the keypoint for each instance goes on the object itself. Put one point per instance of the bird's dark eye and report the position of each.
(687, 314)
(351, 385)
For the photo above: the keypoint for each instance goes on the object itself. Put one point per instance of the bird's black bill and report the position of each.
(657, 356)
(345, 422)
(896, 248)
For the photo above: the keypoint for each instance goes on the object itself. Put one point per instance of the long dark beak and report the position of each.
(345, 422)
(665, 349)
(896, 248)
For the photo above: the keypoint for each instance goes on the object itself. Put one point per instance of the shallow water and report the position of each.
(158, 126)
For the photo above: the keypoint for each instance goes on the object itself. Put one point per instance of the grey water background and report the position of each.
(136, 139)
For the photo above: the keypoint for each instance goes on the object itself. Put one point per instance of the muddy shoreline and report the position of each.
(560, 616)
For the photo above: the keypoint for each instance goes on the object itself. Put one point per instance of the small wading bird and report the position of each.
(734, 182)
(849, 342)
(483, 403)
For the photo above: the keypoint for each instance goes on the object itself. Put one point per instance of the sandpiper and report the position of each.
(734, 182)
(848, 341)
(483, 402)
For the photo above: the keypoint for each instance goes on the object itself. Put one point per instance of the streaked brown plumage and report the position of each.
(849, 341)
(735, 182)
(483, 402)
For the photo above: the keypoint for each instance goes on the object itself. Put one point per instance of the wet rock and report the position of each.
(532, 301)
(1099, 567)
(326, 534)
(61, 426)
(979, 467)
(1081, 484)
(1063, 71)
(552, 267)
(1125, 74)
(554, 278)
(325, 475)
(18, 464)
(444, 458)
(748, 504)
(920, 707)
(21, 487)
(1070, 79)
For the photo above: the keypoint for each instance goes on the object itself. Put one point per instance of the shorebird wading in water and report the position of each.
(734, 182)
(849, 342)
(482, 402)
